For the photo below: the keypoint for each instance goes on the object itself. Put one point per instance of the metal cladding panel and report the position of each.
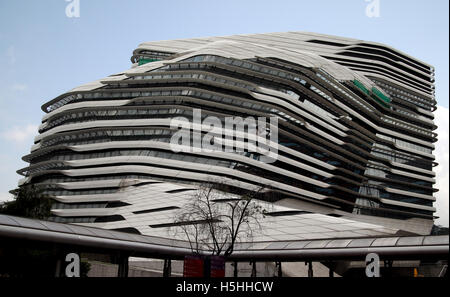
(80, 230)
(109, 234)
(276, 246)
(435, 240)
(364, 242)
(317, 244)
(338, 243)
(29, 223)
(385, 241)
(6, 220)
(297, 245)
(57, 227)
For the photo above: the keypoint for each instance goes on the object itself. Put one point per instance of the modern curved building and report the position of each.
(354, 150)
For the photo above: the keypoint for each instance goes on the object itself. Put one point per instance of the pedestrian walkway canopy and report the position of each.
(101, 240)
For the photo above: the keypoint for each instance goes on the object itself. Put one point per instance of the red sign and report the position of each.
(193, 266)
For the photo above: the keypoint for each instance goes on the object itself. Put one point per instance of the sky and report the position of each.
(44, 52)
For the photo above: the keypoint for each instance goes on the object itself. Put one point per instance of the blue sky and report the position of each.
(43, 53)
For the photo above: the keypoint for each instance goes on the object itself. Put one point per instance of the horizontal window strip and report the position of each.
(155, 209)
(196, 222)
(286, 213)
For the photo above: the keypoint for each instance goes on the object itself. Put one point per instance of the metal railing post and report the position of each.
(167, 270)
(253, 269)
(123, 266)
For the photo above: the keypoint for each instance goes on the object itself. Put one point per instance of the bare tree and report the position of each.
(214, 222)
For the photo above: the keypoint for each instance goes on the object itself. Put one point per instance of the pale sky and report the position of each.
(44, 53)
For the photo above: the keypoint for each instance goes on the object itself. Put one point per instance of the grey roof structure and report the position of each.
(406, 247)
(355, 136)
